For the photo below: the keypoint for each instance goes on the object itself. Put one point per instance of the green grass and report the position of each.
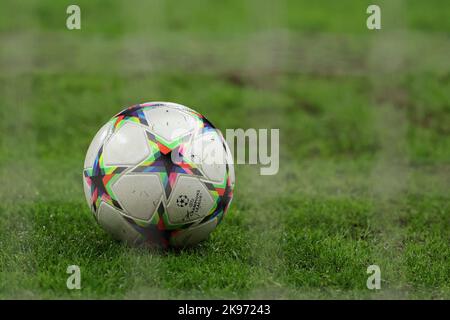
(365, 145)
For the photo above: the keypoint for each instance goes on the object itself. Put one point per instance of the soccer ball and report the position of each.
(159, 174)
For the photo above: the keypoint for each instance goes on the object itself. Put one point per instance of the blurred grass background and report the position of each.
(365, 149)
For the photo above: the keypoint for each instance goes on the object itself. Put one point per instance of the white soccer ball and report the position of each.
(160, 174)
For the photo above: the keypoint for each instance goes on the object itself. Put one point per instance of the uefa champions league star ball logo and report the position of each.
(182, 201)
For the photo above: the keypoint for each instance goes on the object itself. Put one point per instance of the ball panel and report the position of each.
(194, 234)
(169, 123)
(113, 222)
(95, 145)
(208, 153)
(172, 105)
(139, 195)
(189, 201)
(127, 146)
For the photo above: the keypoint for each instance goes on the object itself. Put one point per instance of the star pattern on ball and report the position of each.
(223, 194)
(134, 113)
(169, 162)
(153, 233)
(158, 232)
(100, 179)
